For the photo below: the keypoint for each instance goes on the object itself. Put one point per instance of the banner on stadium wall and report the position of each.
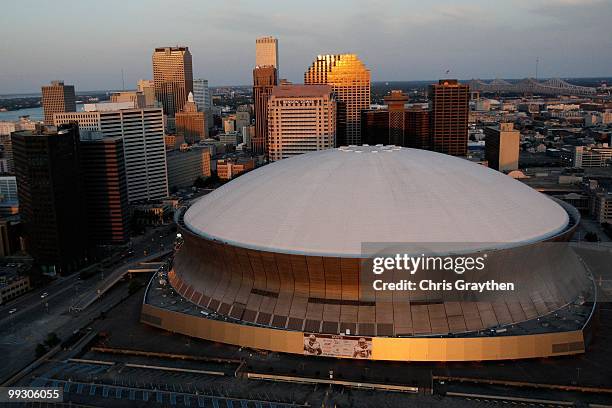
(328, 345)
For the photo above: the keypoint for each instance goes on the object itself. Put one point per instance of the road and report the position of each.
(90, 296)
(22, 330)
(32, 298)
(158, 239)
(587, 224)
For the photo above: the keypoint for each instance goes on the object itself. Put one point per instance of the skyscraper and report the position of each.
(57, 98)
(203, 100)
(301, 119)
(350, 80)
(173, 77)
(417, 127)
(449, 110)
(201, 94)
(395, 102)
(105, 188)
(266, 52)
(191, 123)
(47, 166)
(147, 87)
(264, 79)
(397, 125)
(142, 132)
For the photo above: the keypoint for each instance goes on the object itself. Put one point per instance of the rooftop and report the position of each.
(298, 91)
(330, 202)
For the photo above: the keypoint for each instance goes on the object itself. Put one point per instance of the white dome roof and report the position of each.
(330, 202)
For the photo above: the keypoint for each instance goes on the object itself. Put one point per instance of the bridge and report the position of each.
(142, 265)
(553, 86)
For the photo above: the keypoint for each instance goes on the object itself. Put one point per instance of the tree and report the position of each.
(207, 182)
(52, 340)
(41, 350)
(133, 286)
(607, 228)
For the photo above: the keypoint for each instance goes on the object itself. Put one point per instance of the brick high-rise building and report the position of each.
(266, 52)
(191, 123)
(396, 102)
(396, 125)
(51, 199)
(57, 98)
(264, 79)
(417, 127)
(173, 78)
(449, 111)
(301, 119)
(105, 188)
(350, 80)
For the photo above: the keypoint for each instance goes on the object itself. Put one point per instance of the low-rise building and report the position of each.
(227, 169)
(186, 166)
(597, 118)
(602, 207)
(12, 284)
(586, 156)
(152, 213)
(230, 138)
(229, 124)
(136, 97)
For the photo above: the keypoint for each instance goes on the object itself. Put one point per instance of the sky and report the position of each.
(88, 43)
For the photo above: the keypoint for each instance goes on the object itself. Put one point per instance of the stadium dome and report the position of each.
(273, 260)
(330, 202)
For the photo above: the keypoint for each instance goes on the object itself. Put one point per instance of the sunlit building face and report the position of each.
(350, 80)
(173, 77)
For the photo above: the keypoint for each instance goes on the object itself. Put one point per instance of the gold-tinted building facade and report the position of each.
(57, 98)
(350, 80)
(191, 124)
(173, 78)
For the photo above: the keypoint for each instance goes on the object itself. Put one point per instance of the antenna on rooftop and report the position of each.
(122, 81)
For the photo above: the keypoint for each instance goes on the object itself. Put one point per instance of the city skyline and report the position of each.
(569, 38)
(349, 203)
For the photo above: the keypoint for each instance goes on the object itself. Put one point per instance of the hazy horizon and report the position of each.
(88, 43)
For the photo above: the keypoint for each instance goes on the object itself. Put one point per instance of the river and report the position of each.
(35, 113)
